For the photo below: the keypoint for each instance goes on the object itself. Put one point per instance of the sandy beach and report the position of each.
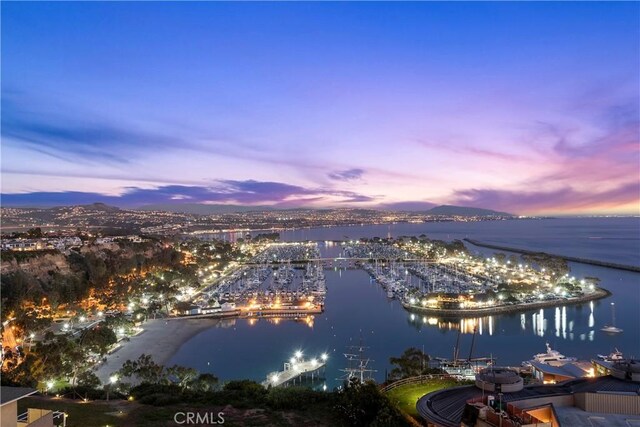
(161, 338)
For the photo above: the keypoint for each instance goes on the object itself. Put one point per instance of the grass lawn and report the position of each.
(406, 396)
(121, 413)
(91, 414)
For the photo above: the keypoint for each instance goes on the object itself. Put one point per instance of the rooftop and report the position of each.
(10, 394)
(570, 369)
(445, 407)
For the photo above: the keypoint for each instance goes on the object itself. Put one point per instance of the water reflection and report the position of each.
(563, 326)
(253, 321)
(465, 326)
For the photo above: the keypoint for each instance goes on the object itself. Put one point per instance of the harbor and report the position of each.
(287, 280)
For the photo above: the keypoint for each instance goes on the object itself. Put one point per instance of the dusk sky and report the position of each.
(530, 108)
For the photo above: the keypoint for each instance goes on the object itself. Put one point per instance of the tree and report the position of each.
(89, 379)
(99, 339)
(59, 357)
(183, 375)
(204, 382)
(145, 369)
(362, 404)
(411, 363)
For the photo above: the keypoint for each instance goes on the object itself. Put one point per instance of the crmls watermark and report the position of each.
(198, 418)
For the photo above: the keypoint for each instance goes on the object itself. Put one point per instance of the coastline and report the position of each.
(515, 308)
(160, 338)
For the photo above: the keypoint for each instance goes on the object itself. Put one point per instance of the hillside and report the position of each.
(465, 211)
(203, 209)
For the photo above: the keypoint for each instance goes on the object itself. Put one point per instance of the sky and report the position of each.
(530, 108)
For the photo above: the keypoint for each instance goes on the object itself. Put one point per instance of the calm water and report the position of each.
(356, 307)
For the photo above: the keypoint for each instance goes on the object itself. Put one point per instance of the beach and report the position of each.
(161, 338)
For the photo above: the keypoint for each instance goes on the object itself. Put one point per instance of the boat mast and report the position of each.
(473, 340)
(456, 349)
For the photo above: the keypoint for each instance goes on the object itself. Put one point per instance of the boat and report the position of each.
(551, 356)
(615, 356)
(612, 329)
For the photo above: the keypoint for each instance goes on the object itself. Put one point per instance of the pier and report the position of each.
(296, 368)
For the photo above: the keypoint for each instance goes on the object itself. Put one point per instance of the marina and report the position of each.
(461, 284)
(280, 281)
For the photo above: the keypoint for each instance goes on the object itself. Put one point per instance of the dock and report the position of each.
(295, 369)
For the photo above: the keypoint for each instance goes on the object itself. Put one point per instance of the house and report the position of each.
(9, 397)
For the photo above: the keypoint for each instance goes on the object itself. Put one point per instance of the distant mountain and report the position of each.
(411, 206)
(465, 211)
(203, 209)
(95, 207)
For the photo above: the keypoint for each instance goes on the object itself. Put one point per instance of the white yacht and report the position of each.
(551, 356)
(615, 356)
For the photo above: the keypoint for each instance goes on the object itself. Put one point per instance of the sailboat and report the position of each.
(612, 329)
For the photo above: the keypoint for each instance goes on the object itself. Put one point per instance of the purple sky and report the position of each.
(531, 108)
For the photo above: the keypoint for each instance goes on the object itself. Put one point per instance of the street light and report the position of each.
(112, 380)
(324, 357)
(298, 354)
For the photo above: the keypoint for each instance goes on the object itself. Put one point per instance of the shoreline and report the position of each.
(600, 293)
(160, 338)
(588, 261)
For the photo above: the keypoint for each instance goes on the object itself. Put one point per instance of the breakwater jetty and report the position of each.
(568, 258)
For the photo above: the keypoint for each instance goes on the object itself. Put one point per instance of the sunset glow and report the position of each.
(521, 108)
